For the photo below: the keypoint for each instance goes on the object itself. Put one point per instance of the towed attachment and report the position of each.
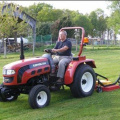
(105, 85)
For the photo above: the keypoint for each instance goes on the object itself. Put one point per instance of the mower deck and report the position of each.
(110, 88)
(106, 85)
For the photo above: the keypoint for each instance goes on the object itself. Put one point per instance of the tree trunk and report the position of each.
(108, 34)
(114, 38)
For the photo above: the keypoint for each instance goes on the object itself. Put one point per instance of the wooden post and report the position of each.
(4, 48)
(15, 38)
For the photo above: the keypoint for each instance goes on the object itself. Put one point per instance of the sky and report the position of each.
(84, 7)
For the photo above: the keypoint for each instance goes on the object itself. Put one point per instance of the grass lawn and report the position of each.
(63, 105)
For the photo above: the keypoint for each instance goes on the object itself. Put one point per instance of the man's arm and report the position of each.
(56, 46)
(61, 49)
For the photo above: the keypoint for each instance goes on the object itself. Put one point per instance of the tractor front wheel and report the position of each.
(84, 81)
(11, 98)
(6, 96)
(39, 96)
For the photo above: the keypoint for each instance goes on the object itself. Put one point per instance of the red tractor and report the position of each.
(35, 77)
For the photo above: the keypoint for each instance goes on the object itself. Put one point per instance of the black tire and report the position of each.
(39, 96)
(99, 89)
(1, 99)
(82, 86)
(9, 99)
(4, 98)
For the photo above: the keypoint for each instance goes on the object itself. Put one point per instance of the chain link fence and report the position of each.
(46, 39)
(96, 42)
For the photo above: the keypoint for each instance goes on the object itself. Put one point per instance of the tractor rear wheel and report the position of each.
(39, 96)
(84, 81)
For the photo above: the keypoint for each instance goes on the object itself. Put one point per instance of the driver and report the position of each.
(63, 55)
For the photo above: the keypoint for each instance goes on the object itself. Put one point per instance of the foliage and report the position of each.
(55, 30)
(9, 23)
(53, 14)
(6, 22)
(44, 28)
(99, 23)
(63, 22)
(34, 9)
(83, 21)
(114, 20)
(93, 19)
(50, 20)
(46, 13)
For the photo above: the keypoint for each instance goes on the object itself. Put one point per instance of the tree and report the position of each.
(98, 21)
(83, 21)
(62, 22)
(35, 8)
(9, 24)
(114, 20)
(79, 19)
(48, 14)
(44, 28)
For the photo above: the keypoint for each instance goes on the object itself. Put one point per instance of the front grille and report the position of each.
(39, 70)
(33, 72)
(8, 79)
(46, 68)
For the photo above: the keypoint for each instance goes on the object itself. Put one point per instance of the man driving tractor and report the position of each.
(63, 55)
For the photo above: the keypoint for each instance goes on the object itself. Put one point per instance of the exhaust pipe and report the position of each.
(22, 52)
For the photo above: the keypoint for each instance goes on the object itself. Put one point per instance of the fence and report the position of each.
(96, 42)
(46, 39)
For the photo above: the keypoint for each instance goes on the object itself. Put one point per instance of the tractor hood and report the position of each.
(24, 62)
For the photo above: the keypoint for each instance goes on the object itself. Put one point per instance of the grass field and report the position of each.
(63, 105)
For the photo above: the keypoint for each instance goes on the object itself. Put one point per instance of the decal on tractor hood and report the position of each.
(38, 64)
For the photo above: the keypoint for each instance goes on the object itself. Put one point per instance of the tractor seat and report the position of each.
(76, 58)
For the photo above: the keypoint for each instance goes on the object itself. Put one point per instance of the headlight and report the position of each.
(8, 72)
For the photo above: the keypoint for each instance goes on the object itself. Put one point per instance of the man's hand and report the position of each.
(54, 50)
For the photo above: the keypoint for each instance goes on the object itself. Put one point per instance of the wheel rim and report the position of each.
(10, 98)
(87, 82)
(41, 98)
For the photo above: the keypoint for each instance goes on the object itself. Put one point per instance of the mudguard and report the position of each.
(72, 67)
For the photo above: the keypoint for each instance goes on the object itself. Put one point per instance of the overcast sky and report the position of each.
(82, 6)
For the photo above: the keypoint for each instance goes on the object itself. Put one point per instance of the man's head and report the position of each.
(62, 35)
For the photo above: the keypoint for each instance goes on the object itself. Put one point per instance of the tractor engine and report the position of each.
(20, 72)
